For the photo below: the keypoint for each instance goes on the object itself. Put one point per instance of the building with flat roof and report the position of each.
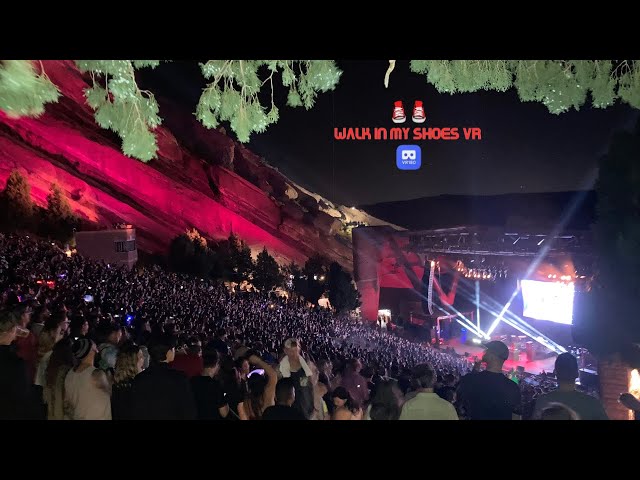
(114, 246)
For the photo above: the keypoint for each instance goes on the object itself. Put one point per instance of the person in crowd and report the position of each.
(79, 327)
(262, 390)
(326, 377)
(558, 411)
(60, 363)
(294, 366)
(129, 364)
(447, 391)
(632, 403)
(230, 380)
(54, 331)
(283, 409)
(386, 404)
(190, 362)
(490, 395)
(210, 398)
(243, 368)
(17, 398)
(320, 408)
(40, 315)
(426, 404)
(26, 342)
(585, 406)
(356, 384)
(159, 392)
(87, 391)
(344, 408)
(108, 349)
(219, 343)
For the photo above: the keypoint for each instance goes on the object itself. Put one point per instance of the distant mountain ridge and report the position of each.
(520, 210)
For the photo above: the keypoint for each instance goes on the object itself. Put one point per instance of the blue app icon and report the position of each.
(408, 157)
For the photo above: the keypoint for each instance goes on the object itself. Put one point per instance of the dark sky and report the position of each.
(524, 148)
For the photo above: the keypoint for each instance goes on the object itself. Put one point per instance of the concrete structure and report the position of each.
(116, 246)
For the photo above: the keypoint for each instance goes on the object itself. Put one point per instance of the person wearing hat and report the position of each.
(490, 395)
(86, 389)
(295, 367)
(585, 406)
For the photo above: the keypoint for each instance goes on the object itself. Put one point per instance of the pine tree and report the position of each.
(606, 317)
(58, 207)
(267, 272)
(59, 220)
(342, 291)
(243, 262)
(236, 258)
(315, 271)
(15, 202)
(294, 279)
(181, 254)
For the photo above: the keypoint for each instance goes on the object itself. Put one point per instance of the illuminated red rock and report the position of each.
(182, 188)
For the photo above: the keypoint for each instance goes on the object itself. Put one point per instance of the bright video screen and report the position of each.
(548, 301)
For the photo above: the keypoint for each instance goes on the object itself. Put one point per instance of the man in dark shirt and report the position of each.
(584, 406)
(220, 342)
(161, 393)
(17, 398)
(283, 409)
(490, 395)
(208, 393)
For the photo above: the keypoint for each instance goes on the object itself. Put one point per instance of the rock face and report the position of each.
(201, 179)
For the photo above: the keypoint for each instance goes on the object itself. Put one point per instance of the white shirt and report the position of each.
(86, 400)
(42, 369)
(428, 406)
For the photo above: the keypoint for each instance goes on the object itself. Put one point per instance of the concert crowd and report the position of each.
(85, 340)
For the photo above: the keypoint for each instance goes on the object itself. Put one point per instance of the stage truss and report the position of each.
(497, 242)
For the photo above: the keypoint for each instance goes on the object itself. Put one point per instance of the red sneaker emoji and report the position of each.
(418, 112)
(398, 112)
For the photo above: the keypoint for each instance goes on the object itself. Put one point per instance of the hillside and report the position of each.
(201, 178)
(524, 210)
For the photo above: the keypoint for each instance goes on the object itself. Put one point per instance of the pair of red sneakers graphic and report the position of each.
(417, 116)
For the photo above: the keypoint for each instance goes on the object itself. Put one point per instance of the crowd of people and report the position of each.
(81, 339)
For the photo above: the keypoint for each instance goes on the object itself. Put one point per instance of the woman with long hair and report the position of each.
(262, 391)
(344, 406)
(54, 329)
(129, 363)
(230, 379)
(387, 402)
(60, 362)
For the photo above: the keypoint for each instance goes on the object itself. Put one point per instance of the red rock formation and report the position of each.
(182, 188)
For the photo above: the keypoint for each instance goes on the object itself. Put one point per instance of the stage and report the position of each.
(535, 367)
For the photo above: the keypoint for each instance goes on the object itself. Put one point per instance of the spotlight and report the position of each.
(476, 341)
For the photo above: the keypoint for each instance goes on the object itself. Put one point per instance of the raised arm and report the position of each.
(272, 379)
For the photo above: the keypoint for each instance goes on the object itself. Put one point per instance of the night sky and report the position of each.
(524, 148)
